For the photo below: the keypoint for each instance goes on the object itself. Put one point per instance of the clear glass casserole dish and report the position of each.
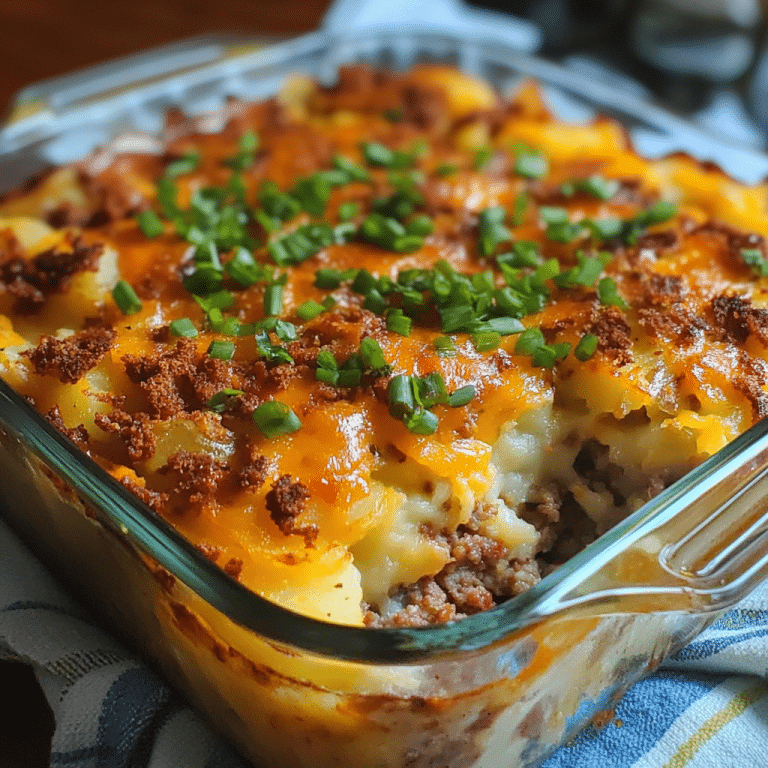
(503, 687)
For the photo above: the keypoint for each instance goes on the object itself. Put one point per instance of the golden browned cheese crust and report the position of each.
(391, 350)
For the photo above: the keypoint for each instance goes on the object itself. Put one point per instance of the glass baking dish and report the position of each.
(500, 688)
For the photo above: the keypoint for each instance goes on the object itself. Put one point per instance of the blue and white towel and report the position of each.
(705, 708)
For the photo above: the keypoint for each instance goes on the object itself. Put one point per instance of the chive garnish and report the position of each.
(222, 399)
(149, 223)
(273, 299)
(531, 165)
(348, 210)
(125, 298)
(598, 186)
(398, 322)
(372, 354)
(491, 230)
(221, 350)
(586, 347)
(461, 396)
(353, 171)
(754, 259)
(309, 310)
(187, 163)
(609, 295)
(183, 327)
(486, 340)
(482, 157)
(275, 418)
(446, 169)
(444, 346)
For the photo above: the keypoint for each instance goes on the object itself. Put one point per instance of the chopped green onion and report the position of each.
(222, 299)
(230, 326)
(586, 347)
(183, 327)
(754, 259)
(604, 229)
(461, 396)
(658, 213)
(430, 390)
(397, 322)
(273, 299)
(330, 278)
(598, 186)
(531, 165)
(187, 163)
(372, 354)
(221, 350)
(125, 298)
(551, 214)
(482, 157)
(486, 340)
(221, 400)
(166, 196)
(518, 210)
(564, 231)
(247, 146)
(608, 294)
(491, 229)
(312, 193)
(348, 210)
(504, 326)
(444, 346)
(377, 154)
(375, 302)
(528, 341)
(353, 171)
(275, 418)
(420, 225)
(400, 395)
(546, 355)
(421, 422)
(277, 203)
(243, 269)
(446, 169)
(149, 223)
(309, 310)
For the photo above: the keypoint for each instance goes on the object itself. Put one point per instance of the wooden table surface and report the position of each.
(44, 38)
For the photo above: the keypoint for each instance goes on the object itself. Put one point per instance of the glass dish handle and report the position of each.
(49, 99)
(706, 551)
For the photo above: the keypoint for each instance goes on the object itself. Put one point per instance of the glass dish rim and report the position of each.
(154, 536)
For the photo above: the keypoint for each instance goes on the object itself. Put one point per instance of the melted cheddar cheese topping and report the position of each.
(565, 328)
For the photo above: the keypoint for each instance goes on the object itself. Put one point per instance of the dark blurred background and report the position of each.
(705, 59)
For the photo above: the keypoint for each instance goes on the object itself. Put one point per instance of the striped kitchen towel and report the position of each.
(705, 708)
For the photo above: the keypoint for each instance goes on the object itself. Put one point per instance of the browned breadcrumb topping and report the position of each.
(233, 567)
(72, 357)
(78, 435)
(176, 380)
(134, 429)
(254, 473)
(738, 319)
(285, 502)
(613, 335)
(198, 475)
(153, 499)
(30, 281)
(209, 551)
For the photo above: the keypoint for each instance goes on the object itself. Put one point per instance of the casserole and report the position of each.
(445, 695)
